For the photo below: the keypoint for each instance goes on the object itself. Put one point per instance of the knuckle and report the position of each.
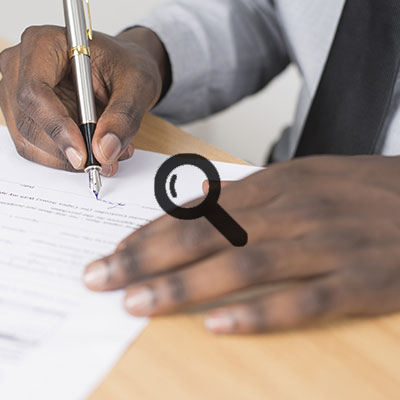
(30, 32)
(311, 210)
(324, 203)
(194, 235)
(147, 78)
(319, 208)
(294, 171)
(3, 94)
(55, 129)
(372, 279)
(26, 98)
(43, 36)
(177, 288)
(127, 114)
(256, 320)
(26, 127)
(5, 56)
(250, 264)
(305, 167)
(144, 232)
(316, 301)
(129, 262)
(66, 166)
(23, 149)
(287, 171)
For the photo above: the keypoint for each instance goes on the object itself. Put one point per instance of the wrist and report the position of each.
(148, 40)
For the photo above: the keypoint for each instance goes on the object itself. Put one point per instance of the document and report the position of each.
(57, 339)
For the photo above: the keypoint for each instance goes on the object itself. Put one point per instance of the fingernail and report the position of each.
(206, 186)
(220, 323)
(74, 157)
(97, 276)
(131, 150)
(122, 246)
(107, 170)
(141, 302)
(110, 146)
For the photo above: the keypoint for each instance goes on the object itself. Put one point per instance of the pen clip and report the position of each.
(90, 30)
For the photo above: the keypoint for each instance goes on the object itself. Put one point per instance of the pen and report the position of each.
(78, 41)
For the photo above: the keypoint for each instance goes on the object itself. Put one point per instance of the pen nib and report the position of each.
(94, 181)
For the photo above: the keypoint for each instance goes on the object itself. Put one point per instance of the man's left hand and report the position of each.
(328, 225)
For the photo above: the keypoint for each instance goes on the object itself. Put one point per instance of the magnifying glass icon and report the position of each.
(209, 208)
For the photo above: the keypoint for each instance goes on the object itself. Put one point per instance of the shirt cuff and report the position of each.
(189, 56)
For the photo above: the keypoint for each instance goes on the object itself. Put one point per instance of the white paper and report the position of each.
(58, 340)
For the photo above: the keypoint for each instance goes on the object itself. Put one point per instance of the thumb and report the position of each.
(206, 185)
(117, 127)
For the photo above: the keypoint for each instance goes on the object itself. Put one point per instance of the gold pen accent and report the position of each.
(78, 50)
(90, 30)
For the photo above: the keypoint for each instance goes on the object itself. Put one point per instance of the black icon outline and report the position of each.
(209, 208)
(172, 186)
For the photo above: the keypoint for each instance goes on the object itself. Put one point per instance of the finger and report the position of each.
(5, 56)
(323, 298)
(154, 254)
(230, 271)
(31, 153)
(35, 94)
(327, 238)
(259, 263)
(28, 150)
(257, 189)
(206, 185)
(128, 153)
(253, 224)
(369, 290)
(267, 186)
(20, 121)
(274, 224)
(118, 124)
(31, 131)
(246, 217)
(109, 170)
(168, 244)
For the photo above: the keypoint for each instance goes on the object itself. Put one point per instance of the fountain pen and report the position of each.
(78, 35)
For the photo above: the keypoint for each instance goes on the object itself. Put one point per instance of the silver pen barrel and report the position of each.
(78, 36)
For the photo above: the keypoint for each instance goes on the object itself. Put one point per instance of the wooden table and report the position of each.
(175, 358)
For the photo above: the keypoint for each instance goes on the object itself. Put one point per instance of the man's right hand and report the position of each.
(38, 100)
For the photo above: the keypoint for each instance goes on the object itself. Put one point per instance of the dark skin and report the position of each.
(328, 226)
(38, 99)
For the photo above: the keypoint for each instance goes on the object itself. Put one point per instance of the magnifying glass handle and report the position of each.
(228, 227)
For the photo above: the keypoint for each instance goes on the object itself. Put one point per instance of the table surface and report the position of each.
(175, 358)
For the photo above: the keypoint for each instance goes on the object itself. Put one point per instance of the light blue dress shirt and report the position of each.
(224, 50)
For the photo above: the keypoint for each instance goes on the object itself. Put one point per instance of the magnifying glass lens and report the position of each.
(190, 171)
(183, 180)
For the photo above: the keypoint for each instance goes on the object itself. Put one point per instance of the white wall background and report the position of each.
(246, 130)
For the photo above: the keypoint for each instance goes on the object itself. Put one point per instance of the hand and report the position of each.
(329, 225)
(38, 98)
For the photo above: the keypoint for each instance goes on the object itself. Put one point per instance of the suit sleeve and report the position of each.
(220, 52)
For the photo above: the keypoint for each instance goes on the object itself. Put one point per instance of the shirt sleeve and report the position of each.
(220, 51)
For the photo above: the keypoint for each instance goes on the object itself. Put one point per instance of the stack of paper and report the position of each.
(57, 340)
